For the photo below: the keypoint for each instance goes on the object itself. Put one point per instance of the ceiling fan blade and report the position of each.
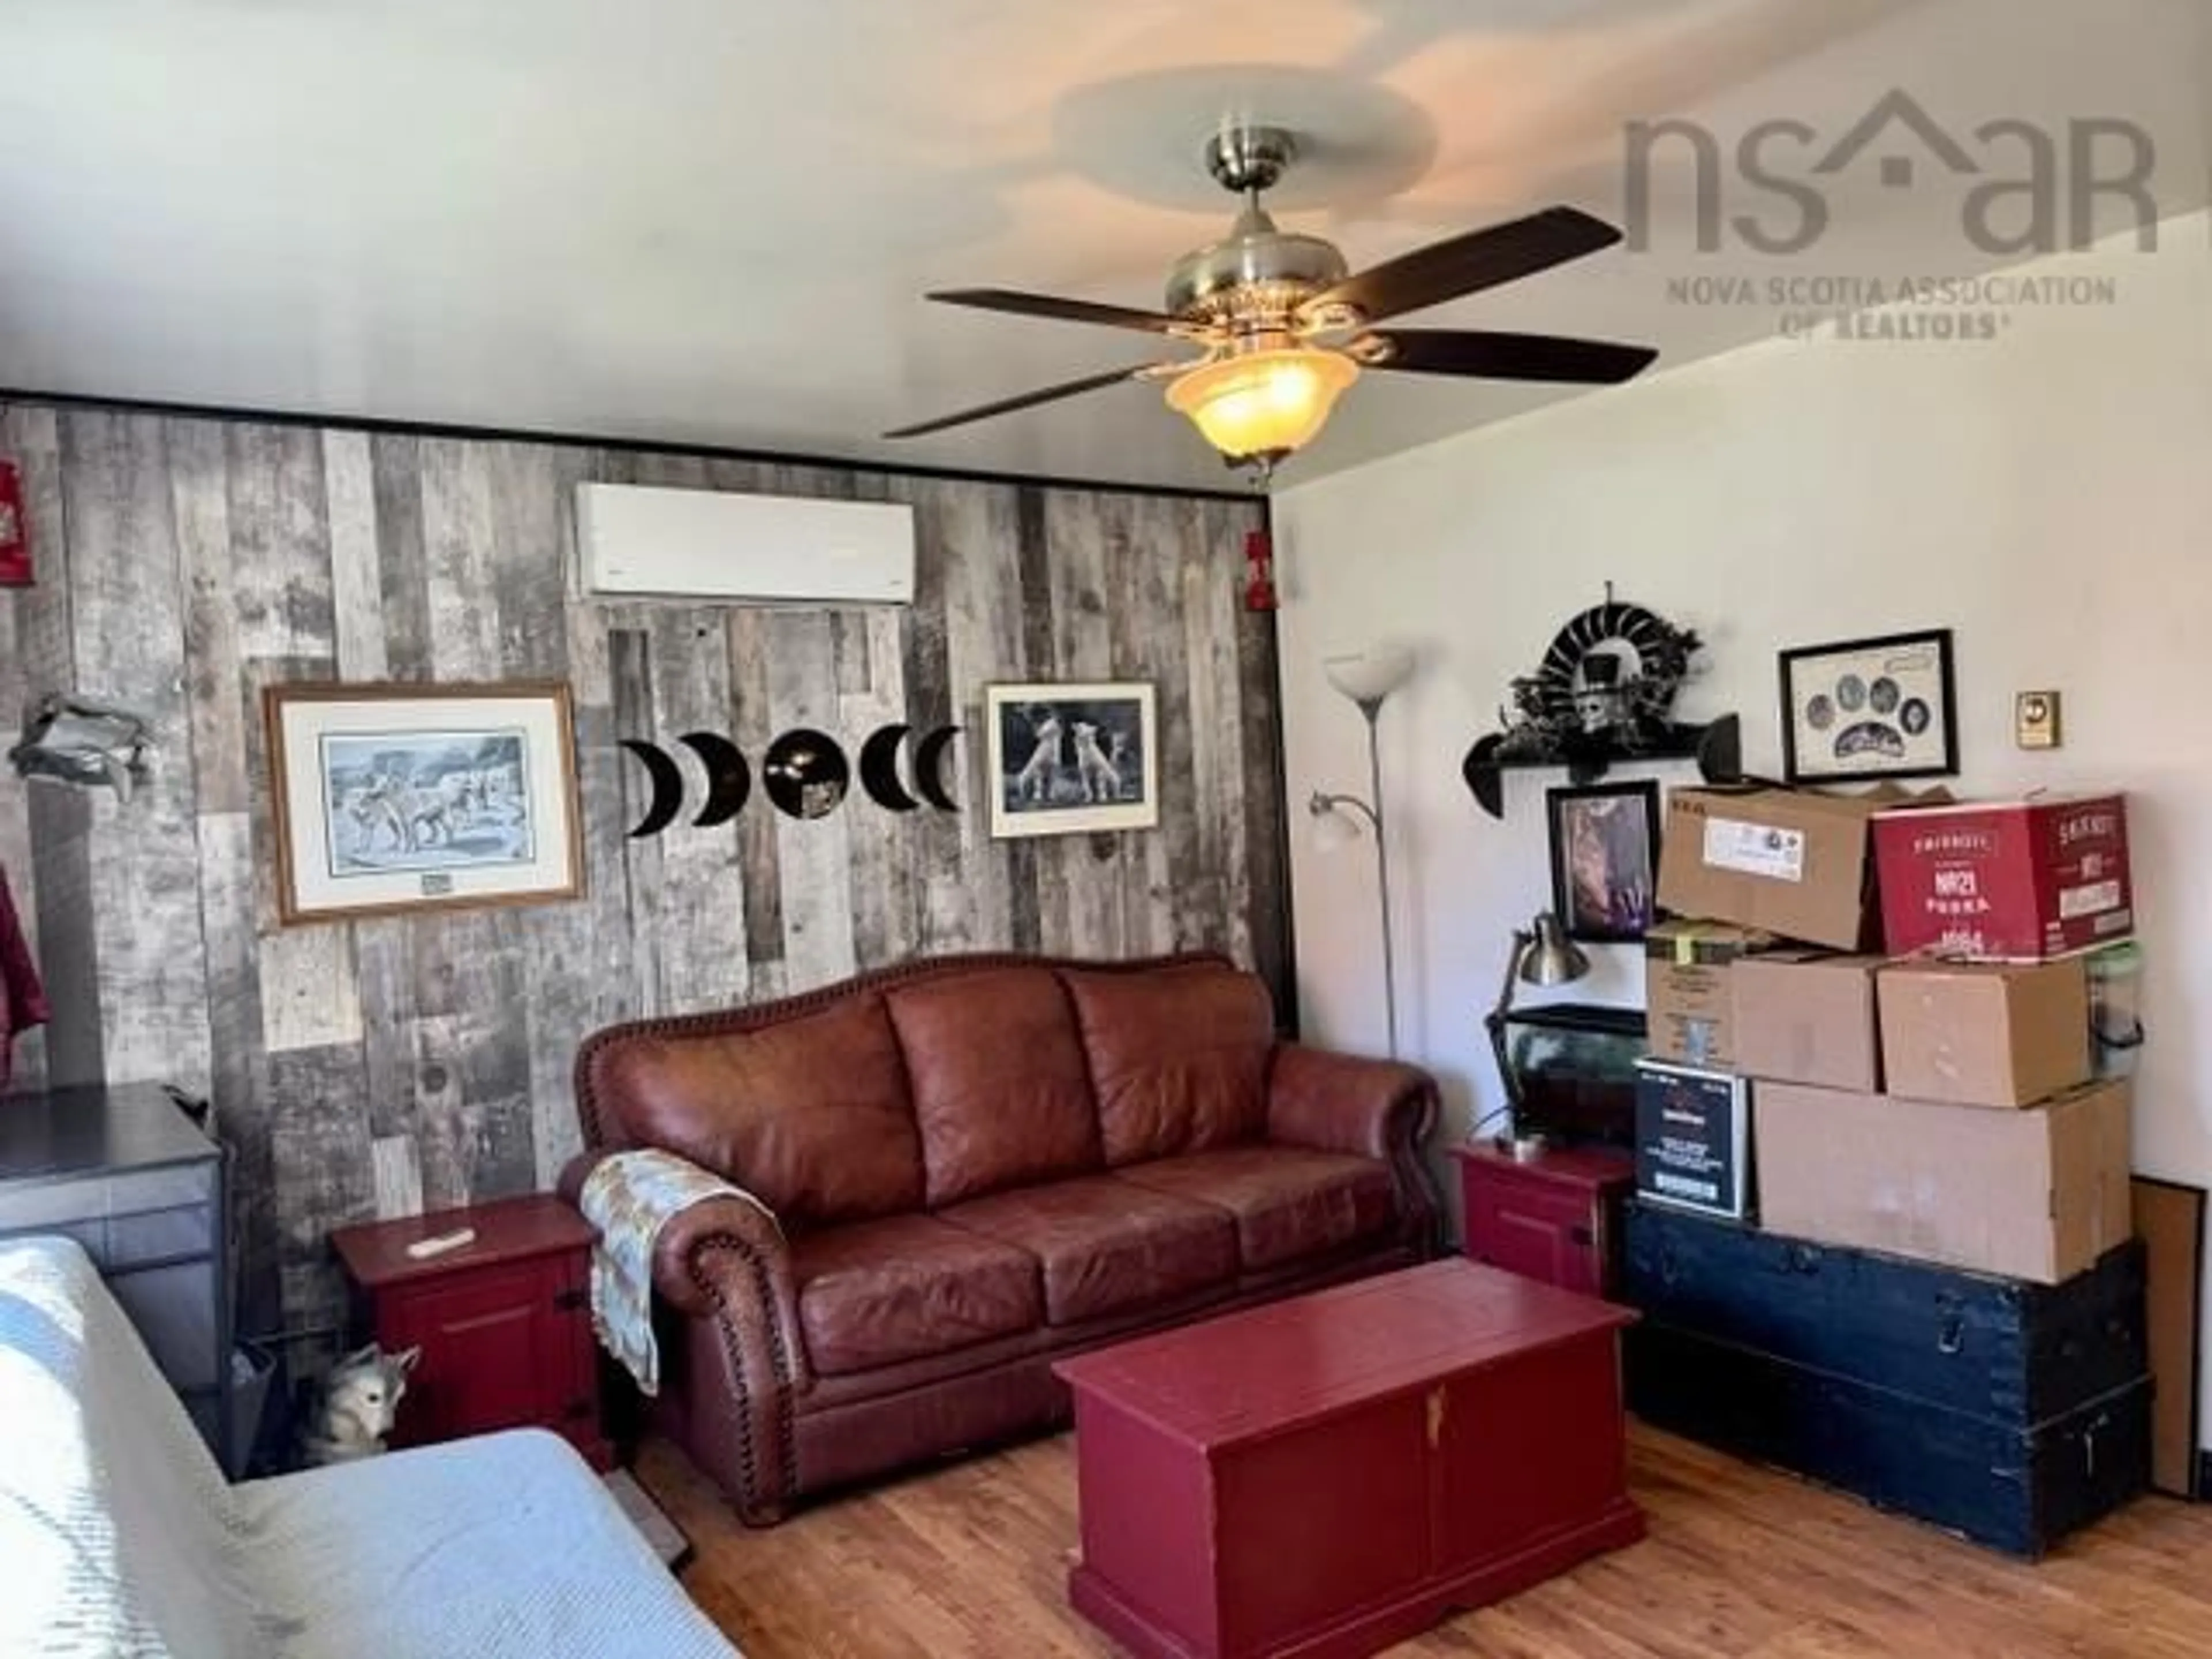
(1511, 356)
(1026, 400)
(1052, 306)
(1468, 264)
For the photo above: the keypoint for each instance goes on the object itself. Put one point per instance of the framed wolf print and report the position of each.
(1071, 759)
(390, 799)
(1870, 708)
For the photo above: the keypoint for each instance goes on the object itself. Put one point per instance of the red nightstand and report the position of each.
(1556, 1217)
(504, 1323)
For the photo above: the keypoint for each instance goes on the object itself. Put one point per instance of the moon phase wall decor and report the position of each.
(879, 768)
(805, 773)
(929, 768)
(729, 780)
(1604, 692)
(667, 780)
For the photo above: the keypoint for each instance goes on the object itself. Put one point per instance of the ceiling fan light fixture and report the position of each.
(1263, 403)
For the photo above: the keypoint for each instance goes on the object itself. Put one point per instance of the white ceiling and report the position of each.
(710, 220)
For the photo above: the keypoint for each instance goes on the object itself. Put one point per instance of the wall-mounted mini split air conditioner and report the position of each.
(708, 546)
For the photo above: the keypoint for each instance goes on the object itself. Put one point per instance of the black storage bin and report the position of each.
(2013, 1489)
(2013, 1413)
(2000, 1348)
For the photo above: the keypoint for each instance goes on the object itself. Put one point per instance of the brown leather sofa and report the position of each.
(979, 1165)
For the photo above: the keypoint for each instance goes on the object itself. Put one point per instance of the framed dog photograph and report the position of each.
(1605, 861)
(1883, 707)
(1070, 760)
(391, 798)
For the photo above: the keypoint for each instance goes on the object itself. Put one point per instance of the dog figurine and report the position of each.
(1101, 780)
(360, 1404)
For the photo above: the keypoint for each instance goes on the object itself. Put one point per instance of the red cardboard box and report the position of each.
(2005, 881)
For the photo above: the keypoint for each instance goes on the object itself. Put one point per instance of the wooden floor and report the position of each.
(1741, 1564)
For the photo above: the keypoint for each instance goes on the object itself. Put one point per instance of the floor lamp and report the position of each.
(1368, 680)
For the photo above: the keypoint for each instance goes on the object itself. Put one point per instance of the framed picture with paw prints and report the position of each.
(1884, 707)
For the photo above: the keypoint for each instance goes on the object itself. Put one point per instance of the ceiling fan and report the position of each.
(1284, 325)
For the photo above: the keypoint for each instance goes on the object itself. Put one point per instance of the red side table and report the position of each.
(504, 1321)
(1555, 1216)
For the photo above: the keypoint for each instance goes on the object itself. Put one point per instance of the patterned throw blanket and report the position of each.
(629, 1197)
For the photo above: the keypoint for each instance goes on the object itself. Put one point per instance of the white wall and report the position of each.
(2047, 495)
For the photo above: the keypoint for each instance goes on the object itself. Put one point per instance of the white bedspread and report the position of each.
(116, 1527)
(505, 1545)
(120, 1539)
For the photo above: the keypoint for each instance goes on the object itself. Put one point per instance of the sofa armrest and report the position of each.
(722, 1263)
(1345, 1103)
(1374, 1108)
(697, 1235)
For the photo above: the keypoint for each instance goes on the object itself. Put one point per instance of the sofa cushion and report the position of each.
(1179, 1058)
(876, 1292)
(810, 1114)
(1001, 1091)
(1105, 1245)
(1288, 1202)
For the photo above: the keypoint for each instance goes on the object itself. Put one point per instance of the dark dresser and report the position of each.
(127, 1174)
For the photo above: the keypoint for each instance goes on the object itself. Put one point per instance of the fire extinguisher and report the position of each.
(1259, 571)
(14, 531)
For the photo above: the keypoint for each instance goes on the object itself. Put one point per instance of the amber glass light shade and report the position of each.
(1266, 403)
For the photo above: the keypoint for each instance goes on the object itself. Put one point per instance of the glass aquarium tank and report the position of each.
(1573, 1070)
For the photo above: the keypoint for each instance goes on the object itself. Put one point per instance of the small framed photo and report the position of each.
(1605, 861)
(1883, 707)
(394, 799)
(1071, 759)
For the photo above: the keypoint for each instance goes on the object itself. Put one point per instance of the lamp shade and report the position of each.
(1551, 958)
(1333, 829)
(1265, 403)
(1371, 675)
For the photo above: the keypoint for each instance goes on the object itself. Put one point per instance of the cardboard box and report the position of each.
(1982, 1034)
(1807, 1017)
(2037, 1195)
(2016, 881)
(1793, 864)
(1686, 1002)
(1693, 1140)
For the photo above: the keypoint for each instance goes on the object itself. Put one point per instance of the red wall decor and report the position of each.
(1259, 571)
(15, 529)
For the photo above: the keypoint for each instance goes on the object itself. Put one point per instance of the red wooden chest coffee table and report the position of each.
(1331, 1474)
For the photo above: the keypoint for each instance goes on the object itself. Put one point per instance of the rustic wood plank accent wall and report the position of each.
(383, 1066)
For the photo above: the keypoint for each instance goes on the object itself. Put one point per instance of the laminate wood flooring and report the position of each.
(1743, 1563)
